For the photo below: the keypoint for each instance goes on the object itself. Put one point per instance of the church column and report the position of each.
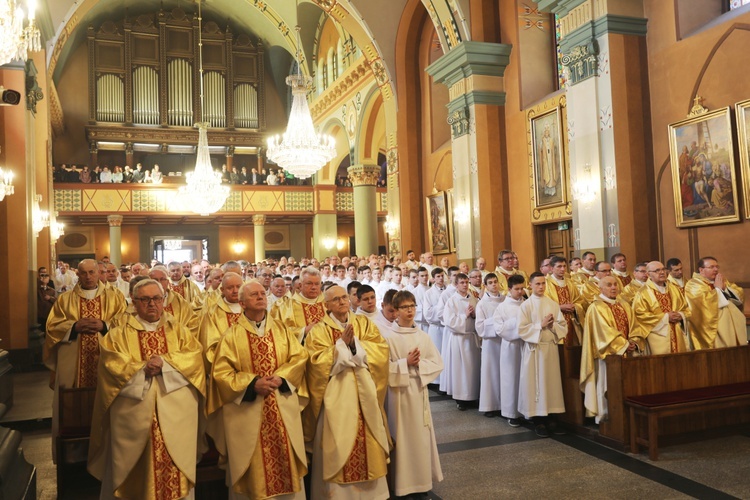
(115, 239)
(259, 233)
(229, 158)
(364, 178)
(473, 73)
(604, 57)
(129, 158)
(260, 165)
(93, 155)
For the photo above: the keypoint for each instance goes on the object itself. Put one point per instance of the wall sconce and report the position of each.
(585, 189)
(461, 213)
(39, 217)
(340, 244)
(328, 243)
(238, 247)
(56, 230)
(6, 183)
(390, 225)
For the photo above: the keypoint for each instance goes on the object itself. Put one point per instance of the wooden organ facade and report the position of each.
(144, 85)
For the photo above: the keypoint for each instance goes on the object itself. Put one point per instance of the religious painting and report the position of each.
(437, 223)
(743, 132)
(703, 174)
(547, 158)
(451, 220)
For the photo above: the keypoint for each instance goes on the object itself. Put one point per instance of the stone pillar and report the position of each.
(602, 55)
(473, 73)
(93, 155)
(115, 239)
(260, 166)
(259, 232)
(364, 178)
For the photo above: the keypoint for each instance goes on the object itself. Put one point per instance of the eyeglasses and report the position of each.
(148, 300)
(44, 275)
(407, 307)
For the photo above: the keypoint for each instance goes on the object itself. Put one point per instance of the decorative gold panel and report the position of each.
(263, 201)
(106, 200)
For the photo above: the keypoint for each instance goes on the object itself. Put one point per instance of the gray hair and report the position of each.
(247, 285)
(309, 271)
(146, 282)
(159, 267)
(230, 274)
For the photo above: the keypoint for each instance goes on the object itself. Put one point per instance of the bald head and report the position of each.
(657, 272)
(230, 287)
(608, 287)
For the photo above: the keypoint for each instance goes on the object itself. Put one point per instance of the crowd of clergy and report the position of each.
(311, 378)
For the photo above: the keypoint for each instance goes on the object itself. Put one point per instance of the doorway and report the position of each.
(555, 239)
(176, 249)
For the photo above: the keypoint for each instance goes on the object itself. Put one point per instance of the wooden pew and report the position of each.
(75, 408)
(638, 376)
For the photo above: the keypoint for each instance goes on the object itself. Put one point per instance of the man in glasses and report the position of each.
(77, 322)
(504, 269)
(348, 369)
(661, 313)
(151, 361)
(304, 309)
(716, 318)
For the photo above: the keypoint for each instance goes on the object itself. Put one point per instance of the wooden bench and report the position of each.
(75, 408)
(652, 407)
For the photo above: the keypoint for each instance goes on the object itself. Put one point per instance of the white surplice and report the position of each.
(540, 390)
(414, 461)
(445, 350)
(465, 357)
(419, 292)
(435, 327)
(505, 322)
(490, 377)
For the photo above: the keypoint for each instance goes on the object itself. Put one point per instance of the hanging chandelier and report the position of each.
(203, 193)
(301, 151)
(16, 41)
(6, 183)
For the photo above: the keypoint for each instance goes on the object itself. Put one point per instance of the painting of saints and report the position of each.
(548, 174)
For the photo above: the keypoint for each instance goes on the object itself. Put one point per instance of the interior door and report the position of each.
(159, 250)
(555, 239)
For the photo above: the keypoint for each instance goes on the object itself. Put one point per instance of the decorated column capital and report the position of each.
(364, 175)
(114, 220)
(259, 220)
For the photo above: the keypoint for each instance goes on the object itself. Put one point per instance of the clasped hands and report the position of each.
(348, 335)
(89, 325)
(413, 358)
(153, 366)
(548, 321)
(674, 317)
(470, 312)
(266, 385)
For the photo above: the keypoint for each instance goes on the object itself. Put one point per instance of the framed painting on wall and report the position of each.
(743, 132)
(703, 174)
(547, 156)
(437, 223)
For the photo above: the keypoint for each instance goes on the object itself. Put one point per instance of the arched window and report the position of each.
(340, 57)
(331, 61)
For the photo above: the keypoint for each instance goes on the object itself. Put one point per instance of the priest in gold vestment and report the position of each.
(150, 392)
(640, 276)
(716, 305)
(224, 313)
(258, 381)
(563, 291)
(606, 332)
(181, 285)
(347, 377)
(305, 309)
(661, 313)
(75, 326)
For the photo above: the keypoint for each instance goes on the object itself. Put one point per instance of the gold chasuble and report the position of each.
(75, 362)
(607, 331)
(215, 321)
(568, 294)
(345, 419)
(144, 429)
(715, 321)
(628, 293)
(186, 289)
(299, 312)
(650, 307)
(503, 275)
(266, 452)
(174, 305)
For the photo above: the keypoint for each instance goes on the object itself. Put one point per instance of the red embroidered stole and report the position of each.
(179, 289)
(167, 477)
(88, 344)
(233, 318)
(621, 318)
(355, 469)
(665, 303)
(169, 309)
(563, 297)
(625, 280)
(313, 313)
(274, 442)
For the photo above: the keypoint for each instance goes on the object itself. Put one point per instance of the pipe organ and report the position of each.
(144, 71)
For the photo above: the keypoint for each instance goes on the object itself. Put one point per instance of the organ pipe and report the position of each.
(110, 99)
(245, 106)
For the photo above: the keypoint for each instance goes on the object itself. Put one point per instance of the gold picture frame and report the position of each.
(742, 114)
(451, 219)
(549, 166)
(437, 223)
(704, 178)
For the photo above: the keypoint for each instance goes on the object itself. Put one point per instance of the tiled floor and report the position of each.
(484, 458)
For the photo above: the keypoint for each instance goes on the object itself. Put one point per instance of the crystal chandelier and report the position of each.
(301, 151)
(16, 41)
(56, 230)
(203, 193)
(6, 183)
